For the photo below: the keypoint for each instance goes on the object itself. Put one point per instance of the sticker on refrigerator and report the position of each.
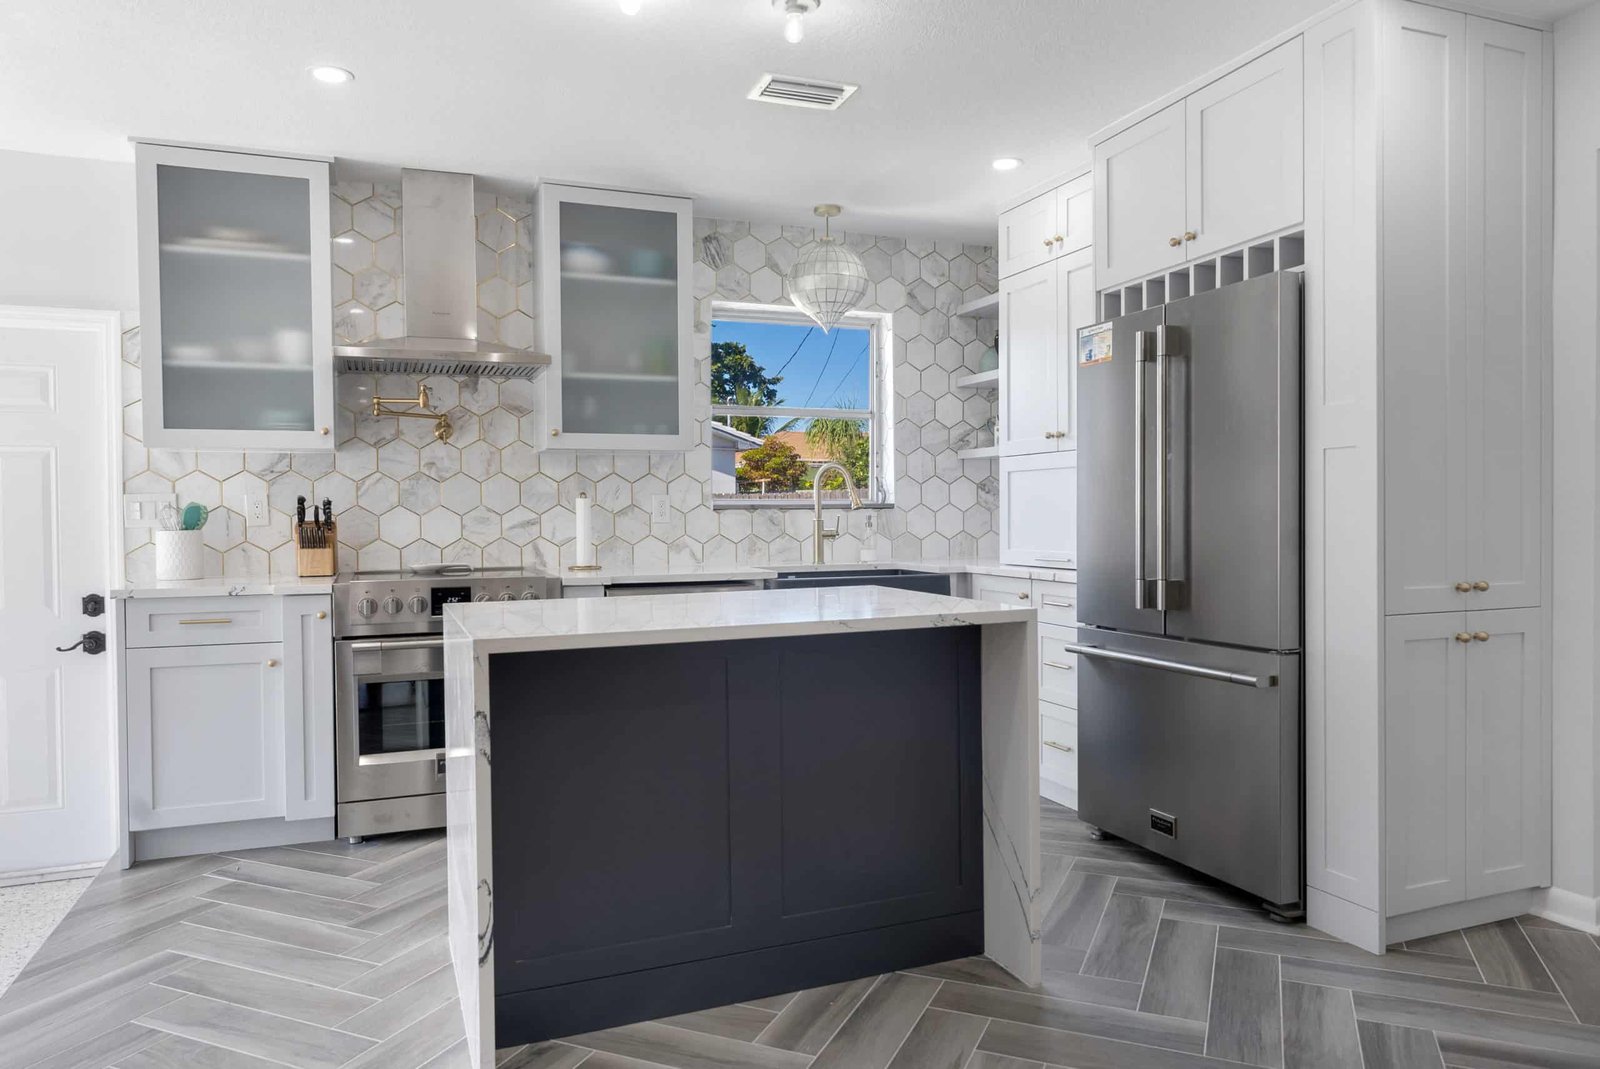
(1094, 344)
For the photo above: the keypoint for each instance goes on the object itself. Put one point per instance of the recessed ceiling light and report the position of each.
(1007, 163)
(332, 75)
(630, 7)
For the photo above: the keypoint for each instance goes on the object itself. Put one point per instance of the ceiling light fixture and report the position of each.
(630, 7)
(794, 11)
(1006, 163)
(828, 280)
(332, 75)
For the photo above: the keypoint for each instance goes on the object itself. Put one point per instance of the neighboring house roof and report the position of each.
(796, 440)
(737, 438)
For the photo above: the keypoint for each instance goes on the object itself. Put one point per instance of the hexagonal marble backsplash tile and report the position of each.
(490, 496)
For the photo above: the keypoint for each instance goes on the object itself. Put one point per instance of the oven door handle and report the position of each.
(380, 645)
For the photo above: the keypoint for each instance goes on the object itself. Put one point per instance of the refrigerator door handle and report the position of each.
(1163, 445)
(1218, 674)
(1142, 340)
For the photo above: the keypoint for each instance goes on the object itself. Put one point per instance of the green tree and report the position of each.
(736, 379)
(845, 441)
(773, 467)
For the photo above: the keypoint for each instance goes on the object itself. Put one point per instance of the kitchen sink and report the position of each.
(898, 578)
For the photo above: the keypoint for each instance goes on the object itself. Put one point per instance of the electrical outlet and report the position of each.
(256, 513)
(660, 508)
(143, 510)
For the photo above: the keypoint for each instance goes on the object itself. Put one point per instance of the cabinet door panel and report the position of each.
(1505, 183)
(1075, 215)
(1027, 235)
(1074, 309)
(1139, 181)
(1246, 171)
(1039, 510)
(1001, 588)
(308, 706)
(205, 734)
(1029, 362)
(1508, 755)
(1424, 310)
(1425, 761)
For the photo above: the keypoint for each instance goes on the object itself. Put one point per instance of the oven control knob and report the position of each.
(392, 605)
(508, 596)
(530, 595)
(418, 603)
(366, 606)
(480, 597)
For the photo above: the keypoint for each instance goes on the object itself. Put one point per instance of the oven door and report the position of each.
(389, 727)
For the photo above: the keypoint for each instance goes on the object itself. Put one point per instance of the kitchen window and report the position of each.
(787, 398)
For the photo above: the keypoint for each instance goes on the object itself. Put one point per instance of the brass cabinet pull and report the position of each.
(1060, 240)
(1022, 597)
(321, 615)
(1480, 636)
(1463, 637)
(272, 662)
(1463, 587)
(324, 430)
(1049, 242)
(1189, 235)
(1174, 242)
(555, 432)
(1057, 746)
(209, 620)
(1480, 586)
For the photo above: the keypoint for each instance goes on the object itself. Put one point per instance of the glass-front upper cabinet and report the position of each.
(235, 306)
(616, 310)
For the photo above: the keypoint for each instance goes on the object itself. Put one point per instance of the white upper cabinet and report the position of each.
(616, 310)
(1039, 510)
(1139, 174)
(1462, 325)
(234, 300)
(1246, 167)
(1047, 226)
(1030, 361)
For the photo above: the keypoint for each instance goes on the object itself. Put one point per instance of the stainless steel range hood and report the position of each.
(437, 235)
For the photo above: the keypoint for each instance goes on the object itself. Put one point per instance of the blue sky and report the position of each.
(818, 369)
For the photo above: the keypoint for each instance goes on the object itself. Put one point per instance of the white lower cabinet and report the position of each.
(1467, 758)
(221, 731)
(1039, 510)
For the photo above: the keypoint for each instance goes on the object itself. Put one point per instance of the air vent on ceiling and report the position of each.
(802, 92)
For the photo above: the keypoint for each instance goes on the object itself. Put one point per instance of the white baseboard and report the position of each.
(1344, 920)
(62, 872)
(1570, 908)
(235, 835)
(1469, 914)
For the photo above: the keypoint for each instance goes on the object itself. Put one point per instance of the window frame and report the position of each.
(878, 415)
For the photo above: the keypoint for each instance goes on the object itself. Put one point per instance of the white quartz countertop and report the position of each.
(217, 586)
(697, 573)
(708, 573)
(580, 623)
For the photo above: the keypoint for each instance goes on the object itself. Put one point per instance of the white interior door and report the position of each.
(58, 778)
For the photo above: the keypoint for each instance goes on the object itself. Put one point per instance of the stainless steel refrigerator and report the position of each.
(1189, 580)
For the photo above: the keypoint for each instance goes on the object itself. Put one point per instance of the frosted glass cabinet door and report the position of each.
(615, 305)
(234, 300)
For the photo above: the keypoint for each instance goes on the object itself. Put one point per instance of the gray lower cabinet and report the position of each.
(221, 731)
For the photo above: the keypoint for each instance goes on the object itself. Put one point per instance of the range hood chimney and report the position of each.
(437, 235)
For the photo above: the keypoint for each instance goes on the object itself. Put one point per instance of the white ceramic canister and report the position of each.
(180, 555)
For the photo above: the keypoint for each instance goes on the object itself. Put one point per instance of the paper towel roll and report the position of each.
(585, 535)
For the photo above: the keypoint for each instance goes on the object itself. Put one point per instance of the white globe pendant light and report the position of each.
(828, 280)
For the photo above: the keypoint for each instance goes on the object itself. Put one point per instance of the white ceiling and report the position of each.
(515, 90)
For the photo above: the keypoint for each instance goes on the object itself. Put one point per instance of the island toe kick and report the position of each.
(711, 798)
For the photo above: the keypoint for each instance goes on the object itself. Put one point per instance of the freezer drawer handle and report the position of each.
(1238, 678)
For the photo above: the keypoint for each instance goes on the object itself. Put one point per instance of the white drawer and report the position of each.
(1002, 588)
(1057, 602)
(1058, 746)
(1058, 669)
(201, 621)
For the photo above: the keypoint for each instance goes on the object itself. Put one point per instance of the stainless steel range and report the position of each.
(389, 679)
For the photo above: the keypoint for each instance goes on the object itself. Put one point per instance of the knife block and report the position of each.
(315, 560)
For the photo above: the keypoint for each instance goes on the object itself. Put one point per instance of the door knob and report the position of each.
(1462, 637)
(92, 642)
(1480, 636)
(1480, 586)
(1463, 587)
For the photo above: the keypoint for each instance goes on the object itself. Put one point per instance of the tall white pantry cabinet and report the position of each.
(1427, 493)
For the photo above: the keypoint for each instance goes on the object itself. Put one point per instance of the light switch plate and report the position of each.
(142, 510)
(660, 508)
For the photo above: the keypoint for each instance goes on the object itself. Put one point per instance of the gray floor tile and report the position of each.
(1528, 920)
(811, 1019)
(1449, 944)
(682, 1049)
(385, 948)
(940, 1040)
(985, 1060)
(282, 928)
(774, 1003)
(179, 1052)
(397, 915)
(452, 1057)
(1295, 946)
(295, 963)
(541, 1056)
(1234, 917)
(403, 971)
(26, 1045)
(309, 860)
(1574, 963)
(1449, 992)
(1183, 891)
(1096, 989)
(1073, 918)
(381, 848)
(290, 903)
(874, 1032)
(1387, 1046)
(1179, 979)
(415, 1044)
(398, 890)
(1246, 1015)
(287, 879)
(1121, 947)
(1505, 957)
(1056, 1048)
(31, 1005)
(108, 1048)
(247, 1031)
(1471, 1052)
(1128, 1026)
(738, 1021)
(1319, 1028)
(429, 854)
(270, 994)
(64, 946)
(1484, 1024)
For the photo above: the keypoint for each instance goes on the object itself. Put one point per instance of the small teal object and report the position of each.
(194, 516)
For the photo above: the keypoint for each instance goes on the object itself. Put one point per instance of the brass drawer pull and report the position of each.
(209, 620)
(1480, 586)
(1058, 746)
(1463, 637)
(321, 615)
(1463, 587)
(1480, 636)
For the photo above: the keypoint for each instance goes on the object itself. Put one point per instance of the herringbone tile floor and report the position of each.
(330, 955)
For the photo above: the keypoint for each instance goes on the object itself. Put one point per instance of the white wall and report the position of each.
(1576, 295)
(67, 233)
